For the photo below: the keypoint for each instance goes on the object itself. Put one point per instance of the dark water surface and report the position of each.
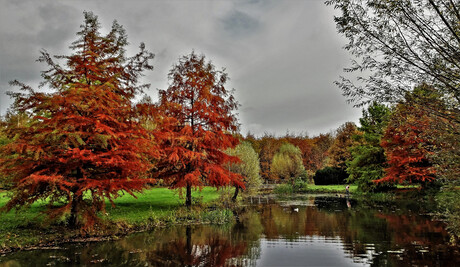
(315, 231)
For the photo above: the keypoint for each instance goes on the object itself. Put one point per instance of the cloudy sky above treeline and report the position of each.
(282, 57)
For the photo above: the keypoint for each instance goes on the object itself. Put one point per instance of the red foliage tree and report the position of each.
(197, 127)
(408, 142)
(84, 144)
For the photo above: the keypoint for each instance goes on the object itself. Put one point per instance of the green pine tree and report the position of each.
(368, 157)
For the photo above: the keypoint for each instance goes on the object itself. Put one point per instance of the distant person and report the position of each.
(347, 190)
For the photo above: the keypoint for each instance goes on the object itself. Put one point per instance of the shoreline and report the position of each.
(122, 229)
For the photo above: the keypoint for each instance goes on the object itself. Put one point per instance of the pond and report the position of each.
(313, 231)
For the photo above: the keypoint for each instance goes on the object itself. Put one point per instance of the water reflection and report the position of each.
(321, 231)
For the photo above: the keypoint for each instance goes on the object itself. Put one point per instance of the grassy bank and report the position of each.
(304, 188)
(339, 189)
(412, 191)
(401, 191)
(156, 206)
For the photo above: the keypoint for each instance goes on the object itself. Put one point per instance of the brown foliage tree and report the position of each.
(319, 152)
(83, 144)
(339, 152)
(305, 144)
(268, 146)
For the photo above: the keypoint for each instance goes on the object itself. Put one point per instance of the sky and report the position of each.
(282, 56)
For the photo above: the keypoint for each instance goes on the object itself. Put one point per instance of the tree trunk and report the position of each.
(73, 220)
(235, 195)
(76, 200)
(188, 197)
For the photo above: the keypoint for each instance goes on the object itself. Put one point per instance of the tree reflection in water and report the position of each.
(199, 249)
(314, 231)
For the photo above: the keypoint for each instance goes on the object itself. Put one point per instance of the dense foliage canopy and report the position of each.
(339, 152)
(368, 160)
(197, 126)
(83, 143)
(408, 144)
(287, 163)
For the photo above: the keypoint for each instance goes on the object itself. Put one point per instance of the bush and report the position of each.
(330, 175)
(303, 176)
(448, 201)
(283, 189)
(300, 186)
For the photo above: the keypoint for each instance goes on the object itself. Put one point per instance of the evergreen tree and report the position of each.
(368, 158)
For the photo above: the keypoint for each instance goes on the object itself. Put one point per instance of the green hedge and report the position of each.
(330, 175)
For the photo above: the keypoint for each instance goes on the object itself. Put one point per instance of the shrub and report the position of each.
(448, 201)
(300, 186)
(283, 189)
(330, 175)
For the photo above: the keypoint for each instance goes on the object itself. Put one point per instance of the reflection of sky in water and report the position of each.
(306, 251)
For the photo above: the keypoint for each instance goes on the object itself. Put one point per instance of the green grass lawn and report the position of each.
(127, 207)
(336, 188)
(400, 186)
(23, 228)
(156, 200)
(340, 188)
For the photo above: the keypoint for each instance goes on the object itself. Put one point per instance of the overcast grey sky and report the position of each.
(282, 57)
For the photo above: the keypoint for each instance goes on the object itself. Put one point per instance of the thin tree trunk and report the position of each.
(188, 197)
(235, 195)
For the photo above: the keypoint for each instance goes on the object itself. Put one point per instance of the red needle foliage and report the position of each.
(408, 142)
(84, 143)
(197, 127)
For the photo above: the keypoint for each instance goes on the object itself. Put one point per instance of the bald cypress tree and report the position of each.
(198, 123)
(83, 144)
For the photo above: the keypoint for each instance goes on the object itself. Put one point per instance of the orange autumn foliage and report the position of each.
(197, 125)
(408, 143)
(84, 144)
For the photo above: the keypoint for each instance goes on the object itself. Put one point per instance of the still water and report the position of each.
(314, 231)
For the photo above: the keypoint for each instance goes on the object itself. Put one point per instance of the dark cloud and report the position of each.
(26, 27)
(282, 56)
(238, 23)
